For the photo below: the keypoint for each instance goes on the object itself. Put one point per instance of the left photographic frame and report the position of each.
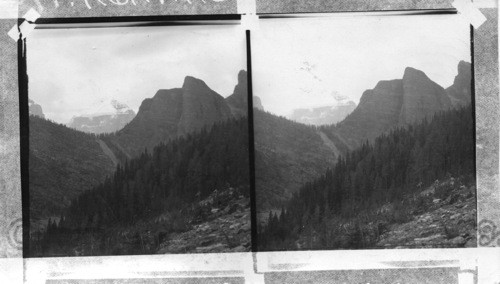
(134, 138)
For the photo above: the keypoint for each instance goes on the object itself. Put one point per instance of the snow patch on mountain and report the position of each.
(105, 116)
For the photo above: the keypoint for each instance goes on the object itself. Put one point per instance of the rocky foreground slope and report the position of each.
(220, 223)
(449, 221)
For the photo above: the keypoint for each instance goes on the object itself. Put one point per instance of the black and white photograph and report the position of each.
(225, 141)
(364, 132)
(138, 140)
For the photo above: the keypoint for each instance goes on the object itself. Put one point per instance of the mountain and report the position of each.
(172, 113)
(200, 106)
(63, 163)
(257, 103)
(238, 100)
(421, 97)
(287, 154)
(396, 103)
(460, 91)
(35, 109)
(411, 187)
(66, 163)
(191, 193)
(114, 120)
(323, 115)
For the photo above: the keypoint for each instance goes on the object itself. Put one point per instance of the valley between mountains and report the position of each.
(395, 171)
(358, 183)
(180, 165)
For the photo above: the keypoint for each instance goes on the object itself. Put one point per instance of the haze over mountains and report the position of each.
(324, 115)
(114, 117)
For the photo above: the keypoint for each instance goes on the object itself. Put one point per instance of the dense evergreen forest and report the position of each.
(170, 179)
(342, 208)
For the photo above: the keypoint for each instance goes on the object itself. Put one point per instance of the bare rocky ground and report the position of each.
(220, 223)
(442, 215)
(448, 220)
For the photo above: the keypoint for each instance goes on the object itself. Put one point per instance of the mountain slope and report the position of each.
(286, 155)
(200, 178)
(380, 185)
(400, 102)
(169, 114)
(63, 163)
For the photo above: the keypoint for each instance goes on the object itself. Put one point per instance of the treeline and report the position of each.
(182, 171)
(173, 176)
(396, 164)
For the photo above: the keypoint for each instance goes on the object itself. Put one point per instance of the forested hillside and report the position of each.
(287, 154)
(169, 180)
(344, 208)
(56, 153)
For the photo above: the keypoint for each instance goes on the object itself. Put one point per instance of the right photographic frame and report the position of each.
(364, 132)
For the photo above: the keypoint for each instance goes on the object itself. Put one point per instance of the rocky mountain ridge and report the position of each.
(176, 112)
(35, 109)
(238, 101)
(401, 102)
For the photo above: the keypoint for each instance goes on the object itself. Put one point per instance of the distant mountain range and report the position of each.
(110, 121)
(324, 115)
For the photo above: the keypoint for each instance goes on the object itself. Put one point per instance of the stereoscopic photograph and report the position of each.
(138, 140)
(364, 132)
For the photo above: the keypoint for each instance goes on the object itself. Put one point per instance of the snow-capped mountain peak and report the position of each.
(105, 116)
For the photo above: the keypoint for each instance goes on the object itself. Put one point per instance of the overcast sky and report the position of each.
(79, 71)
(302, 63)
